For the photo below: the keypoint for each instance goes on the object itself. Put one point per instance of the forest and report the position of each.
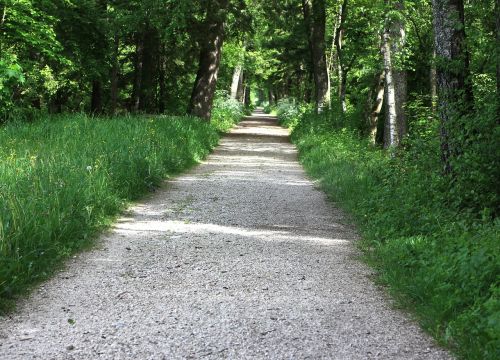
(394, 106)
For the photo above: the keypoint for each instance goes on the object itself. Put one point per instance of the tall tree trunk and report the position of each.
(139, 62)
(390, 132)
(203, 93)
(315, 18)
(149, 70)
(433, 82)
(235, 83)
(115, 69)
(162, 70)
(339, 36)
(497, 30)
(377, 106)
(454, 93)
(247, 95)
(240, 94)
(96, 98)
(396, 79)
(96, 95)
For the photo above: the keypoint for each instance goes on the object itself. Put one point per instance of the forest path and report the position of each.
(239, 258)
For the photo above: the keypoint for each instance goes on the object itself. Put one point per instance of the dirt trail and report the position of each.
(240, 258)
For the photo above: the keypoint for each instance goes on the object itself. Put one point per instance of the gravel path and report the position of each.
(240, 258)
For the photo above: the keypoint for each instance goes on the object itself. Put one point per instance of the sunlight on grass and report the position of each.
(63, 178)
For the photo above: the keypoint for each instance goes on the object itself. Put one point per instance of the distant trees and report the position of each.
(109, 56)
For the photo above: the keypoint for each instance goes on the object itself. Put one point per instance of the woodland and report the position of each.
(394, 106)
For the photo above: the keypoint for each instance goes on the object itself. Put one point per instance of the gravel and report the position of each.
(240, 258)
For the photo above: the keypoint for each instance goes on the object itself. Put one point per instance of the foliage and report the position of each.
(61, 179)
(438, 258)
(226, 112)
(289, 112)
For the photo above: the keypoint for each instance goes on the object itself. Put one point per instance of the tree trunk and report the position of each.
(377, 106)
(240, 94)
(396, 80)
(390, 132)
(96, 98)
(315, 18)
(139, 62)
(203, 93)
(497, 30)
(235, 84)
(248, 95)
(433, 82)
(401, 88)
(339, 35)
(115, 69)
(162, 70)
(96, 95)
(454, 93)
(149, 80)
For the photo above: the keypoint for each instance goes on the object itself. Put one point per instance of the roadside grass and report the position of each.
(440, 262)
(64, 178)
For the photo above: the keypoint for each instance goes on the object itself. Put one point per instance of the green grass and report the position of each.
(439, 261)
(63, 179)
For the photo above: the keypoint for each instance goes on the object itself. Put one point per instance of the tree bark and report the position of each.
(454, 92)
(390, 132)
(396, 79)
(377, 106)
(339, 35)
(96, 95)
(315, 18)
(433, 82)
(247, 95)
(497, 30)
(162, 70)
(115, 69)
(203, 93)
(236, 82)
(96, 98)
(139, 62)
(149, 80)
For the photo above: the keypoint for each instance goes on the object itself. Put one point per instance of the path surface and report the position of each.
(240, 258)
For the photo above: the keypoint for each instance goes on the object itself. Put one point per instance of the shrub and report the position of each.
(438, 257)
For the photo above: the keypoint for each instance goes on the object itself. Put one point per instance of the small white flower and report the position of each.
(89, 168)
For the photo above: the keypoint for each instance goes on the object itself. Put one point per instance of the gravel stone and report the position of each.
(240, 258)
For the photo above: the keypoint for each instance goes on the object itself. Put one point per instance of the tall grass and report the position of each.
(439, 260)
(63, 178)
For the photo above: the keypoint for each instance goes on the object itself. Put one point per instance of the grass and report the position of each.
(64, 178)
(439, 261)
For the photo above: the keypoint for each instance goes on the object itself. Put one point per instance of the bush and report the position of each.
(289, 112)
(63, 178)
(226, 112)
(439, 258)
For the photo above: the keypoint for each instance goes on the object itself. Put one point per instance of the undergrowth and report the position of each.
(63, 178)
(439, 259)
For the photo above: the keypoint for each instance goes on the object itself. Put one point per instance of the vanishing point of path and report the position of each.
(240, 258)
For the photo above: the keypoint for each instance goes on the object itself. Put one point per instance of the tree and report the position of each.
(315, 19)
(497, 31)
(203, 93)
(395, 76)
(341, 65)
(452, 67)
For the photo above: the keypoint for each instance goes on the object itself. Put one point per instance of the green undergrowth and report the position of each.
(62, 179)
(439, 260)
